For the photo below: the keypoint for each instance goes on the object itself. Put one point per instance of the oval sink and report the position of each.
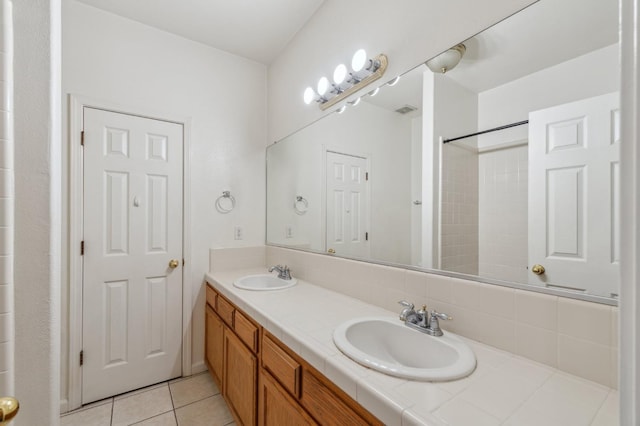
(392, 348)
(263, 282)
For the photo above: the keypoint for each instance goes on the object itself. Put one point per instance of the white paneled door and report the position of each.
(347, 205)
(574, 195)
(132, 262)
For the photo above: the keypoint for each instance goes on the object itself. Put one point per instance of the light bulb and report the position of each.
(394, 81)
(374, 92)
(355, 102)
(309, 95)
(341, 109)
(359, 60)
(323, 86)
(340, 74)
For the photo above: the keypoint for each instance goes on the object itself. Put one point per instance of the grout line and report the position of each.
(113, 403)
(153, 417)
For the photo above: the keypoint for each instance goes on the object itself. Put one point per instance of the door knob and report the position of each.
(331, 251)
(173, 263)
(8, 409)
(538, 269)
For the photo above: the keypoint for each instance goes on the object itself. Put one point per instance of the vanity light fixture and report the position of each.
(364, 71)
(447, 60)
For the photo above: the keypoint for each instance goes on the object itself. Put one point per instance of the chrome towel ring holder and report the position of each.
(300, 205)
(223, 206)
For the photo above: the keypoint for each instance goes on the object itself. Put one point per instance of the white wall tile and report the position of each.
(536, 309)
(536, 343)
(585, 320)
(585, 359)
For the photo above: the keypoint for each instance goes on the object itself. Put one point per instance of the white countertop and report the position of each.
(505, 389)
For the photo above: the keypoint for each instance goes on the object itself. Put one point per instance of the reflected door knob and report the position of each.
(8, 409)
(331, 251)
(173, 263)
(538, 269)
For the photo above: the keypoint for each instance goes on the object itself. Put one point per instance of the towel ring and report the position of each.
(219, 202)
(300, 205)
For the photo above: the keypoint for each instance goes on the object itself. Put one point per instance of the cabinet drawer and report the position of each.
(225, 310)
(211, 297)
(284, 368)
(246, 331)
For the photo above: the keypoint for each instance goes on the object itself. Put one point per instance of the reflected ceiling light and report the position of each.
(354, 102)
(394, 81)
(341, 109)
(447, 60)
(374, 92)
(364, 71)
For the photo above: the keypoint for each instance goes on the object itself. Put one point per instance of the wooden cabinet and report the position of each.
(277, 407)
(266, 383)
(241, 378)
(214, 348)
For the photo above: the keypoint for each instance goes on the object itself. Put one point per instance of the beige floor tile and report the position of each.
(192, 389)
(138, 391)
(166, 419)
(95, 416)
(142, 406)
(212, 411)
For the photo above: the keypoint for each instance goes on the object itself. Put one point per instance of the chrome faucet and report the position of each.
(283, 271)
(422, 320)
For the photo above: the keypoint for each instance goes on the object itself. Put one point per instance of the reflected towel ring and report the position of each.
(219, 202)
(300, 205)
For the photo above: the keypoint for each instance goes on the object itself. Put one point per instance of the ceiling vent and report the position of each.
(406, 109)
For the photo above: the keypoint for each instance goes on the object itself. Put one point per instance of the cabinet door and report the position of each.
(277, 408)
(240, 379)
(214, 349)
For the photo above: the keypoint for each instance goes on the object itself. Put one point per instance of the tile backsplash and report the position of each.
(575, 336)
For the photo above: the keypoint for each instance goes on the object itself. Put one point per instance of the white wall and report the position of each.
(408, 33)
(37, 209)
(296, 167)
(455, 114)
(593, 74)
(7, 200)
(145, 70)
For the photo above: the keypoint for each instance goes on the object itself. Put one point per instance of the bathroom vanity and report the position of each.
(264, 381)
(273, 356)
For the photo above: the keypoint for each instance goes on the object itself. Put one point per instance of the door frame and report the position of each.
(76, 106)
(323, 205)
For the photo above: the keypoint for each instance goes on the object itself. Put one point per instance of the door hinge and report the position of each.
(366, 176)
(81, 248)
(82, 138)
(366, 236)
(81, 358)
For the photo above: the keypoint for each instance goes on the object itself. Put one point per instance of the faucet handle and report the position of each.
(406, 304)
(436, 314)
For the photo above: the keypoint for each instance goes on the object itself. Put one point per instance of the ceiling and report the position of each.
(258, 30)
(545, 34)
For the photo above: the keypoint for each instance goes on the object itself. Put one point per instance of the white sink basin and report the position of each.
(392, 348)
(262, 282)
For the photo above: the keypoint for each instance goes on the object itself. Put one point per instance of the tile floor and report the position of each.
(191, 401)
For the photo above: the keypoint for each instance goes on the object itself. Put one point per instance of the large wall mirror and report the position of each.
(532, 201)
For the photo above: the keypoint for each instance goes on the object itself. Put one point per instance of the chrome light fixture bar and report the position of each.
(364, 71)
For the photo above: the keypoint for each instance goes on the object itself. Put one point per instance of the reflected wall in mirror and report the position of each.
(382, 181)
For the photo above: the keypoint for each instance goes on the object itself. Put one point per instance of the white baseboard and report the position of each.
(198, 367)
